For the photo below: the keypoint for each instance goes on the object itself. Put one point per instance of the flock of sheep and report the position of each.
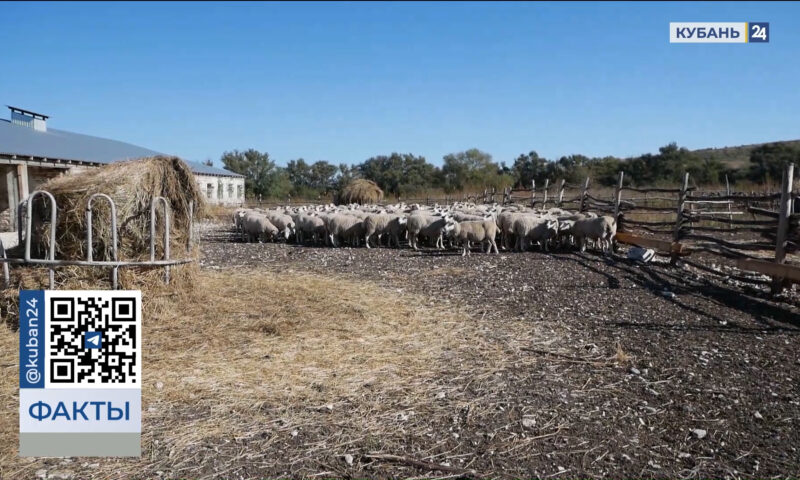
(460, 224)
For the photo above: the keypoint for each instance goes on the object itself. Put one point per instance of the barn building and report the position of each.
(31, 153)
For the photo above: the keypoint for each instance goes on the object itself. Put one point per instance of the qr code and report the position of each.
(94, 339)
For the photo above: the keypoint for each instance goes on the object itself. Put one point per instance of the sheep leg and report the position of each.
(366, 240)
(493, 244)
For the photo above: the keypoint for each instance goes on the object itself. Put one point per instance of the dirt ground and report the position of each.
(711, 389)
(574, 365)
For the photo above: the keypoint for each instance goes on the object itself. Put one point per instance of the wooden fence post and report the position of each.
(728, 193)
(618, 196)
(583, 195)
(783, 223)
(546, 186)
(533, 193)
(676, 235)
(561, 192)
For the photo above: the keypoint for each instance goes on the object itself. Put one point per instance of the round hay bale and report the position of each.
(360, 191)
(132, 185)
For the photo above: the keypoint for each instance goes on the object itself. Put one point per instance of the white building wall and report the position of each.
(219, 190)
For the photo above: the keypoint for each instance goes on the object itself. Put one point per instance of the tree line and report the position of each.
(406, 174)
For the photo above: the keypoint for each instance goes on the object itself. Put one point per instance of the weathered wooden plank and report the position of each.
(764, 212)
(751, 246)
(734, 197)
(661, 245)
(783, 222)
(778, 270)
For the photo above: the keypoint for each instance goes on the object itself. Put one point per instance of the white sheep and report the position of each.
(600, 229)
(238, 219)
(344, 227)
(528, 228)
(384, 224)
(505, 222)
(465, 233)
(309, 225)
(467, 217)
(420, 223)
(283, 222)
(258, 227)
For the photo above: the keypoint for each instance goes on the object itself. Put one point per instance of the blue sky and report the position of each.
(345, 81)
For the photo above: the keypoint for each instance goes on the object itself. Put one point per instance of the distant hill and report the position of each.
(736, 157)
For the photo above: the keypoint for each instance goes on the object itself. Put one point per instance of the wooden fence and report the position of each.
(756, 230)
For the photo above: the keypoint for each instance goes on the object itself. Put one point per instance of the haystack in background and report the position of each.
(132, 185)
(360, 191)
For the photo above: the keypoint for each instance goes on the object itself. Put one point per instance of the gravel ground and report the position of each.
(623, 370)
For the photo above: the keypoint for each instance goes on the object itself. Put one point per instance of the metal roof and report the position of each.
(57, 144)
(27, 112)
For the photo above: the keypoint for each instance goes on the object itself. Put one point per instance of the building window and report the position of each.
(230, 190)
(239, 191)
(210, 191)
(220, 190)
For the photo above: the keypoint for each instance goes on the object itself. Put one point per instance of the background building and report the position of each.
(31, 153)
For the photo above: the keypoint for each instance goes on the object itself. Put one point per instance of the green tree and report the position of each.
(262, 177)
(528, 167)
(399, 174)
(768, 161)
(470, 169)
(669, 165)
(311, 181)
(323, 176)
(278, 184)
(299, 173)
(605, 170)
(346, 173)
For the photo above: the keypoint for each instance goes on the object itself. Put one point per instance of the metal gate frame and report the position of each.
(51, 262)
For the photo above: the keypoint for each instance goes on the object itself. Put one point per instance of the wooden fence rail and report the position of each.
(693, 221)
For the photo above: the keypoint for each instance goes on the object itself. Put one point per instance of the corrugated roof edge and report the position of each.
(201, 169)
(134, 151)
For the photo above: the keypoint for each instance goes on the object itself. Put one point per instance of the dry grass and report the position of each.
(131, 185)
(360, 191)
(218, 212)
(621, 357)
(250, 355)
